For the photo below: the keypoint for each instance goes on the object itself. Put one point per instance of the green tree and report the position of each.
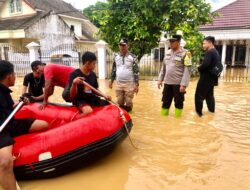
(143, 21)
(96, 13)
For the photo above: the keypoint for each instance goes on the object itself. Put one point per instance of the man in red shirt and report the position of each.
(54, 75)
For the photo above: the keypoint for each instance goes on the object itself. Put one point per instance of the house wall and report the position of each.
(51, 32)
(26, 10)
(76, 23)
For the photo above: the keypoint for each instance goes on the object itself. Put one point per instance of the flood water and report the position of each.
(187, 153)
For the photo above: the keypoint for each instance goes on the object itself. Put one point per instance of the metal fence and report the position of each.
(19, 56)
(150, 68)
(66, 54)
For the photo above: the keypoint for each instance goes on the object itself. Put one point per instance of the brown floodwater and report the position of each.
(208, 153)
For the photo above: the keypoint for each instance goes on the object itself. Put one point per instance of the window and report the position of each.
(15, 6)
(72, 28)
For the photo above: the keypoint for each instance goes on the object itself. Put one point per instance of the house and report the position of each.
(51, 23)
(232, 32)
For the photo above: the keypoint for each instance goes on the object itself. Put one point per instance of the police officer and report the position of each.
(175, 75)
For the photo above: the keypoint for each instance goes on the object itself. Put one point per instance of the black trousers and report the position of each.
(170, 92)
(204, 91)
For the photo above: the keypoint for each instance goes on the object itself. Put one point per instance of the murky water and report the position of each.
(208, 153)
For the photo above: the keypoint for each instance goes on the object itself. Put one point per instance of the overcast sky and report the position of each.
(81, 4)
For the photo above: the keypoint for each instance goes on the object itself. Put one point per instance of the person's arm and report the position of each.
(161, 75)
(187, 72)
(206, 62)
(136, 74)
(39, 98)
(24, 90)
(113, 74)
(25, 84)
(74, 81)
(48, 91)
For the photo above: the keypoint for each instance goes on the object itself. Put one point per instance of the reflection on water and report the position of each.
(208, 153)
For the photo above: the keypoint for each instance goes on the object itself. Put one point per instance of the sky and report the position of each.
(81, 4)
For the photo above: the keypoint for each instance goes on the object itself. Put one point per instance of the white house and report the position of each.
(232, 32)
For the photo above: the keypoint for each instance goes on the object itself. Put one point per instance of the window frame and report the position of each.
(15, 7)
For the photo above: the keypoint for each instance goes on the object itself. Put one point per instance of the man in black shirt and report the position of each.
(34, 82)
(81, 95)
(15, 127)
(207, 81)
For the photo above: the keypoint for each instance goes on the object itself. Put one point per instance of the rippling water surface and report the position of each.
(187, 153)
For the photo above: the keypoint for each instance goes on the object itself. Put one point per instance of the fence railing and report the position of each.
(150, 68)
(70, 54)
(19, 56)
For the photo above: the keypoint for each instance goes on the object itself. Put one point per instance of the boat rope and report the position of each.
(74, 116)
(125, 123)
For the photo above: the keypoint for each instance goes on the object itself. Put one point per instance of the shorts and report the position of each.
(17, 127)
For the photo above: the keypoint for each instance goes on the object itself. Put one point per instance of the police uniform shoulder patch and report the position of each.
(188, 59)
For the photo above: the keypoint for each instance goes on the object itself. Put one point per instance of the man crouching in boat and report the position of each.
(80, 95)
(15, 127)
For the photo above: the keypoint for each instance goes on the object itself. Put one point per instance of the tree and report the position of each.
(96, 13)
(143, 21)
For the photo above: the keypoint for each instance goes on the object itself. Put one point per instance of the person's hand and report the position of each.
(43, 105)
(136, 89)
(182, 89)
(110, 84)
(87, 109)
(159, 84)
(26, 100)
(108, 98)
(78, 80)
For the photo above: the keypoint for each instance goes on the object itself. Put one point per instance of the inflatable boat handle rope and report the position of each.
(112, 102)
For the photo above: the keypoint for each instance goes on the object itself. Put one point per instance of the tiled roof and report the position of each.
(233, 16)
(58, 6)
(22, 22)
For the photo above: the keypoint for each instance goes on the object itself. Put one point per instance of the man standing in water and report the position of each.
(207, 81)
(126, 72)
(175, 74)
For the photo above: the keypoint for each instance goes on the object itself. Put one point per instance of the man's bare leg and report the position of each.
(7, 177)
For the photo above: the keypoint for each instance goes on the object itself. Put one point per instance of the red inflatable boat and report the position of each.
(69, 143)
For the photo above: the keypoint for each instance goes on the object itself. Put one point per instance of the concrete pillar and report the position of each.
(101, 56)
(233, 57)
(223, 56)
(247, 54)
(33, 51)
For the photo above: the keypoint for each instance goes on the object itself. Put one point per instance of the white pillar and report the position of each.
(247, 55)
(33, 50)
(233, 57)
(223, 56)
(101, 56)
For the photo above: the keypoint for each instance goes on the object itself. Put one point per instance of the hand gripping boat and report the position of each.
(70, 141)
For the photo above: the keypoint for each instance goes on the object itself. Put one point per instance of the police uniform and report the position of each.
(174, 73)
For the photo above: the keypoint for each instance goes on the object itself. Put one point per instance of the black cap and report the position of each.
(35, 64)
(123, 41)
(175, 37)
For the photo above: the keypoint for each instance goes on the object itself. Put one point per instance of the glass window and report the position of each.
(15, 6)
